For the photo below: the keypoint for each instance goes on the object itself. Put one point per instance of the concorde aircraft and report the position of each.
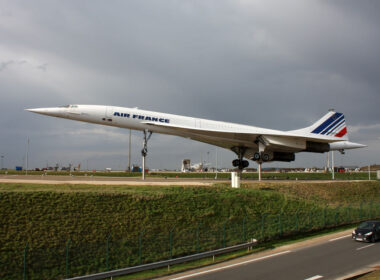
(258, 144)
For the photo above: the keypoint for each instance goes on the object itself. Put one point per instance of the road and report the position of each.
(330, 259)
(97, 180)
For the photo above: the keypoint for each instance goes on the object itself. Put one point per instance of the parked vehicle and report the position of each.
(368, 231)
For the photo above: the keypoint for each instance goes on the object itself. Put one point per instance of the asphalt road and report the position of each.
(98, 180)
(331, 259)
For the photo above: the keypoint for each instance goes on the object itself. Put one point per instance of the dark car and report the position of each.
(368, 231)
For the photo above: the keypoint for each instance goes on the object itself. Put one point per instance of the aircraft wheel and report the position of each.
(265, 157)
(235, 163)
(245, 163)
(256, 156)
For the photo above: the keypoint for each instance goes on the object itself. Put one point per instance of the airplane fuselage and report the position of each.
(137, 119)
(134, 118)
(245, 140)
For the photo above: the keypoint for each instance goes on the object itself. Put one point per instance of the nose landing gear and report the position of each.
(144, 151)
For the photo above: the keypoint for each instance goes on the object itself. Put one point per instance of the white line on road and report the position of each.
(365, 247)
(340, 237)
(229, 266)
(315, 277)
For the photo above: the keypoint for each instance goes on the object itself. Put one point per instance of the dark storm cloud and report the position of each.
(277, 65)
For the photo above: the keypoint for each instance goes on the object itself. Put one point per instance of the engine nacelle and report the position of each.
(316, 147)
(279, 156)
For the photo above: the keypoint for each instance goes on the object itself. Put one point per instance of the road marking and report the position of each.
(231, 265)
(315, 277)
(365, 247)
(345, 236)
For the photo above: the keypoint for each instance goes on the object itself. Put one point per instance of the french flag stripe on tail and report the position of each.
(333, 125)
(341, 133)
(330, 121)
(336, 127)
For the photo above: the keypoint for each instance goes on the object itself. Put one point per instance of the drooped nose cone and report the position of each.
(54, 112)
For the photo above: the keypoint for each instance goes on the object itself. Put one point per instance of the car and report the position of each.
(368, 231)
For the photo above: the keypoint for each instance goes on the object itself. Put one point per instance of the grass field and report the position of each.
(104, 227)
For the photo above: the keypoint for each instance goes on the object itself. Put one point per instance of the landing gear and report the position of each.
(144, 151)
(256, 156)
(261, 156)
(240, 163)
(265, 157)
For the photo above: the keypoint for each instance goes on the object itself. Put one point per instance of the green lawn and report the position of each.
(117, 226)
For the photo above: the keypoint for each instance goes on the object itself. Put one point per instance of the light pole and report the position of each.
(2, 162)
(27, 157)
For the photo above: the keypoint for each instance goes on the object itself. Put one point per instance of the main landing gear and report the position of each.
(240, 163)
(261, 156)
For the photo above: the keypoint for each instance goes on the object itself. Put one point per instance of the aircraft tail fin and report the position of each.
(332, 124)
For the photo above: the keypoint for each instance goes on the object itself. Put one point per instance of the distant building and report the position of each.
(186, 166)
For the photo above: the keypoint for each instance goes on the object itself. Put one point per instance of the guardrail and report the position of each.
(134, 269)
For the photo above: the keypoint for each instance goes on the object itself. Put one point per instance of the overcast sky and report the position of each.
(274, 64)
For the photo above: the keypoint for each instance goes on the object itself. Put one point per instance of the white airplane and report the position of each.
(200, 166)
(258, 144)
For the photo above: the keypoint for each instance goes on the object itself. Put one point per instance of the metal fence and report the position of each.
(74, 259)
